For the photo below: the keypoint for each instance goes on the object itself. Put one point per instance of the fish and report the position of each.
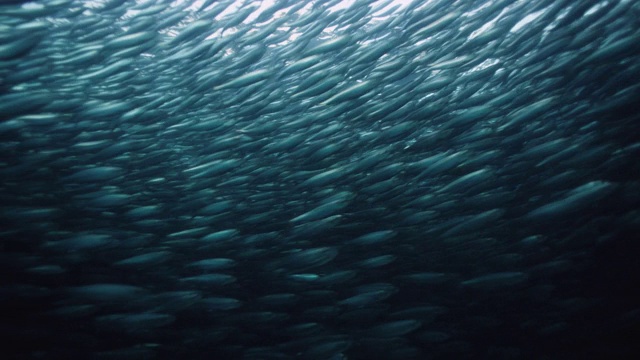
(373, 179)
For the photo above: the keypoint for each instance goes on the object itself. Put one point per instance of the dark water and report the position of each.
(319, 180)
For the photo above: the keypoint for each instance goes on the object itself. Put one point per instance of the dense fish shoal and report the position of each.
(319, 179)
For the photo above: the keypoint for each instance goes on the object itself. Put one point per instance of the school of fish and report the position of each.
(319, 179)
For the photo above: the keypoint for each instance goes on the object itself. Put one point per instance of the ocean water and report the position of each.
(319, 179)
